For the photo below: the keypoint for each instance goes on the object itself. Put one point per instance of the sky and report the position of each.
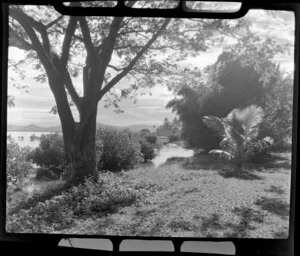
(33, 107)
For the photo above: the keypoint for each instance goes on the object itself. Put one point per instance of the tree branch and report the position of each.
(62, 32)
(23, 19)
(87, 40)
(17, 41)
(107, 46)
(50, 24)
(71, 89)
(41, 28)
(118, 77)
(67, 41)
(115, 68)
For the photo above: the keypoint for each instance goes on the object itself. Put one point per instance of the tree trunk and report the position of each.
(81, 152)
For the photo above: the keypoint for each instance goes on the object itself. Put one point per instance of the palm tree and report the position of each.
(239, 132)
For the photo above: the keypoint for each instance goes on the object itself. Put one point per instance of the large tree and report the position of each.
(104, 51)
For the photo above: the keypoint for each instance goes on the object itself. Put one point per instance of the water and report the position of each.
(23, 138)
(171, 150)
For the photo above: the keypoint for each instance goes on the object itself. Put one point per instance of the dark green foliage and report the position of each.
(151, 139)
(243, 75)
(189, 108)
(120, 150)
(174, 137)
(46, 174)
(58, 208)
(39, 196)
(147, 150)
(239, 134)
(17, 166)
(50, 151)
(165, 129)
(278, 105)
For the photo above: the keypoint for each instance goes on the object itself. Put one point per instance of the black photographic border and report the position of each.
(244, 246)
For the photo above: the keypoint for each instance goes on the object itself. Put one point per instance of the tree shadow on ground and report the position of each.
(241, 229)
(273, 161)
(246, 174)
(247, 217)
(199, 161)
(275, 189)
(213, 163)
(268, 163)
(275, 206)
(212, 222)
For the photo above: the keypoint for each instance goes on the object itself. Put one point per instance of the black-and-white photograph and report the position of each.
(148, 126)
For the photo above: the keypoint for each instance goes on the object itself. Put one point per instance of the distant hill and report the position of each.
(36, 128)
(33, 128)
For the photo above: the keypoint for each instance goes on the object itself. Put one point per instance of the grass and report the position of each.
(199, 197)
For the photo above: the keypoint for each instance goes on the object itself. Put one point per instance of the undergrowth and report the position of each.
(59, 207)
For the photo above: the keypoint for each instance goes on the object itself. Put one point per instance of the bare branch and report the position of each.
(50, 24)
(41, 28)
(71, 89)
(67, 41)
(115, 68)
(107, 46)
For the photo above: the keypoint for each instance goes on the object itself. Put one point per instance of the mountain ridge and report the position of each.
(37, 128)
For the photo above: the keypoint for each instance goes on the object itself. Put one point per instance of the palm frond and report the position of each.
(235, 135)
(215, 123)
(221, 153)
(250, 117)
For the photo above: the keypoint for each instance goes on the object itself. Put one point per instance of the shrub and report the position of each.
(45, 174)
(44, 217)
(239, 133)
(40, 196)
(147, 150)
(50, 151)
(174, 137)
(120, 150)
(151, 139)
(17, 167)
(58, 208)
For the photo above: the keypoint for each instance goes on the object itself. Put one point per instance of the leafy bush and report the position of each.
(239, 133)
(58, 208)
(17, 167)
(40, 196)
(91, 197)
(50, 151)
(44, 217)
(174, 137)
(120, 150)
(45, 174)
(147, 150)
(151, 139)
